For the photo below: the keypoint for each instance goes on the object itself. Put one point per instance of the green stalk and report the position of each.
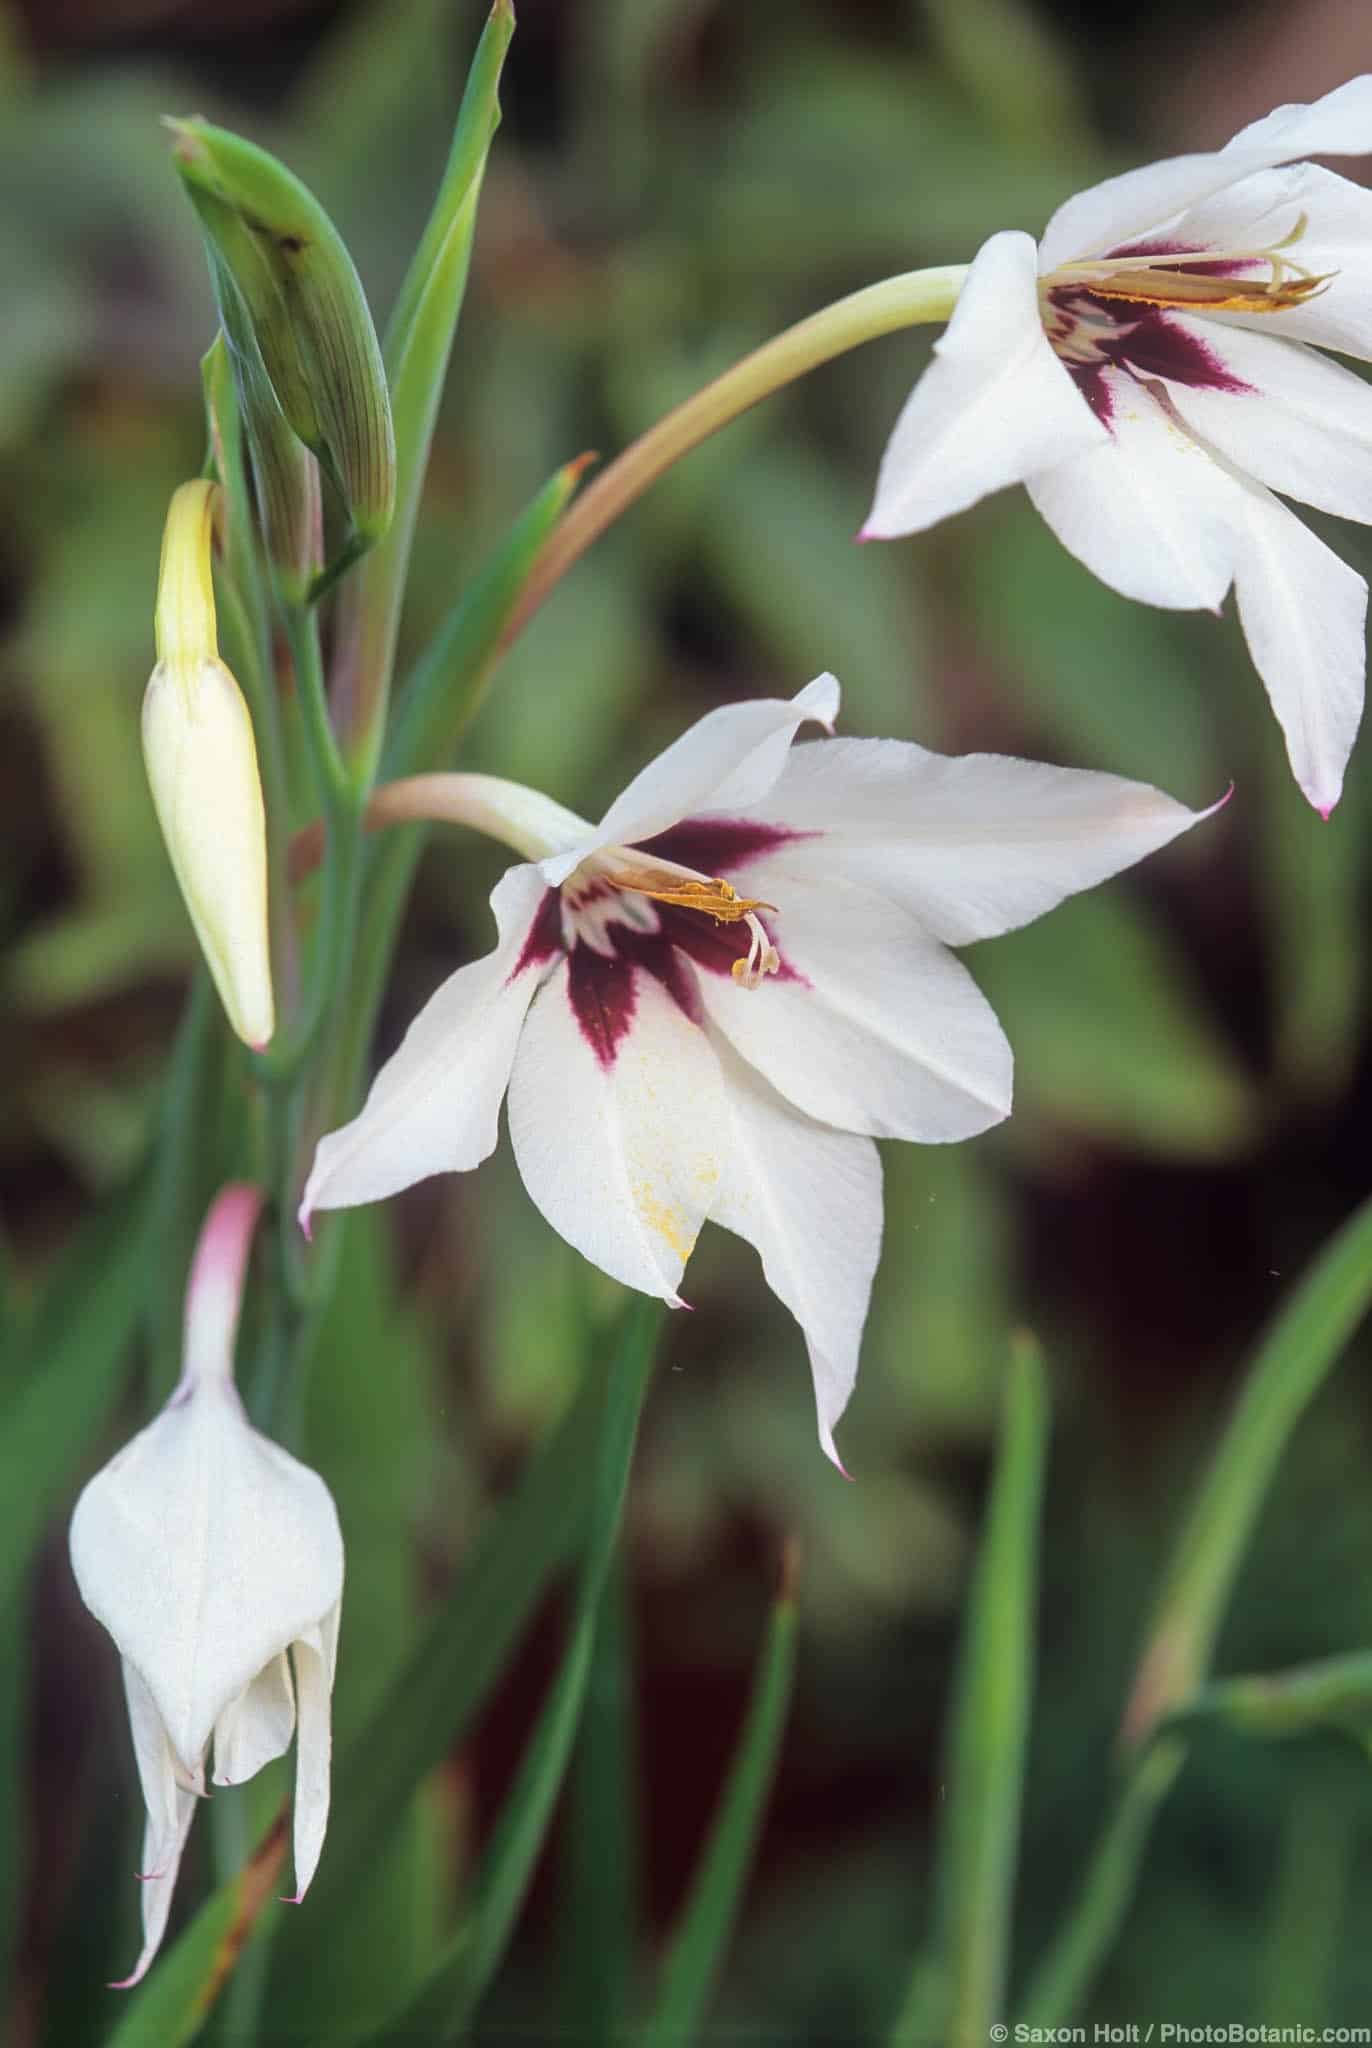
(909, 300)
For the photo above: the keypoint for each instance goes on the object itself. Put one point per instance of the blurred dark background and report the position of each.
(674, 180)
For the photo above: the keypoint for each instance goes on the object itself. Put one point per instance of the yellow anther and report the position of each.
(717, 898)
(1160, 287)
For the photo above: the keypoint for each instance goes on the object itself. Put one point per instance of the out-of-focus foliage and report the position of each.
(674, 180)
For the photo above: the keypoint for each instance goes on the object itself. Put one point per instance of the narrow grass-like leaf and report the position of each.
(170, 2006)
(69, 1366)
(463, 1648)
(1335, 1692)
(446, 2002)
(445, 689)
(597, 1851)
(1291, 1364)
(702, 1933)
(989, 1730)
(418, 344)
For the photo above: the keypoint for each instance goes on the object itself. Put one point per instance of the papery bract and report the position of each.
(710, 1004)
(1146, 372)
(215, 1561)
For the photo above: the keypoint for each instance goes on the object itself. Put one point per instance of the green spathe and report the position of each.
(307, 311)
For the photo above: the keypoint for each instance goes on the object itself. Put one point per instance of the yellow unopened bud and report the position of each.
(202, 765)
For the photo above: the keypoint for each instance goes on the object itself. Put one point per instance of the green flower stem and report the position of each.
(909, 300)
(342, 803)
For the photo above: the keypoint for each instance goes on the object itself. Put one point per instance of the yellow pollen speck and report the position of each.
(663, 1218)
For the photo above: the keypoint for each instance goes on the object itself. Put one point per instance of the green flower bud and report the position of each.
(304, 303)
(285, 474)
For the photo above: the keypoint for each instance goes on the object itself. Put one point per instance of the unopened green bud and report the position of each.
(285, 474)
(202, 766)
(305, 304)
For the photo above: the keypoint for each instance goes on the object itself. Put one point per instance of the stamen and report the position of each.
(762, 958)
(717, 898)
(1212, 294)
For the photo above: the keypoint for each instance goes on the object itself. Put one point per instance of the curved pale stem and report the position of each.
(910, 300)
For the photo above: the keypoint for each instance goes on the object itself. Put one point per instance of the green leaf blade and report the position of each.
(989, 1732)
(711, 1911)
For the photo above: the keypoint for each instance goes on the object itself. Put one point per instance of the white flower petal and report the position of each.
(994, 405)
(621, 1157)
(1304, 615)
(808, 1199)
(1304, 426)
(1122, 209)
(726, 760)
(1149, 512)
(204, 1550)
(313, 1656)
(970, 844)
(1336, 238)
(871, 1026)
(170, 1809)
(435, 1105)
(257, 1727)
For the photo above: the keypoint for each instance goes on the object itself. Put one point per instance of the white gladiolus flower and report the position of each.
(1148, 373)
(710, 1004)
(215, 1561)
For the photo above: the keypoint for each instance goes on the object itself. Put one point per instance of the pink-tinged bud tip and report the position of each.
(1326, 811)
(218, 1271)
(304, 1216)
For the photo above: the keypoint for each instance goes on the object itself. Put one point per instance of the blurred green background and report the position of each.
(674, 180)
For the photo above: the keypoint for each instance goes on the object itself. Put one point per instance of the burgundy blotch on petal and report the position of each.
(545, 935)
(720, 846)
(600, 987)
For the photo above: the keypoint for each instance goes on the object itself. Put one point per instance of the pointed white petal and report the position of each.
(971, 845)
(622, 1157)
(871, 1026)
(1304, 615)
(257, 1727)
(1335, 243)
(994, 406)
(1123, 208)
(1150, 512)
(808, 1199)
(170, 1809)
(435, 1105)
(313, 1656)
(1303, 427)
(726, 760)
(204, 1550)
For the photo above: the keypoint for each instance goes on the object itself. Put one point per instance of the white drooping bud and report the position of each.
(215, 1561)
(202, 766)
